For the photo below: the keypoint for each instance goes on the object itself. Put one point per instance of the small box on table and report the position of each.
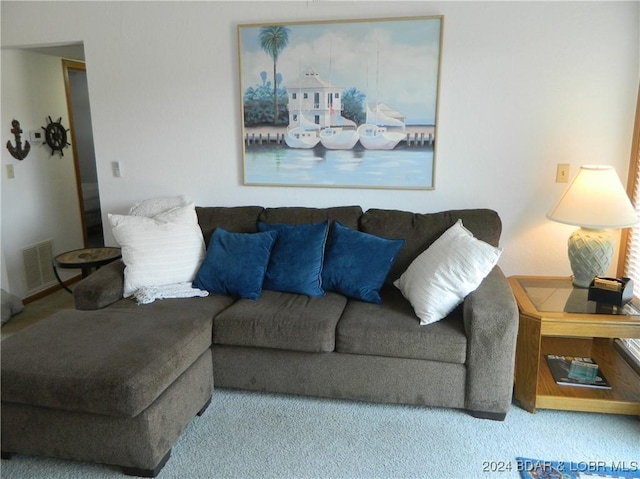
(616, 291)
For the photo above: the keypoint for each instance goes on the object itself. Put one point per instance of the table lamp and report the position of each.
(595, 200)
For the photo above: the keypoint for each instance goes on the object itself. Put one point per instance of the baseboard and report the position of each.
(50, 290)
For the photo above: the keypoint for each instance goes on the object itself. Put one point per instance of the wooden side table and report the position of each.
(84, 259)
(556, 318)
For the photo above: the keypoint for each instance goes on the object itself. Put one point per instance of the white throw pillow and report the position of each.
(155, 206)
(165, 249)
(441, 276)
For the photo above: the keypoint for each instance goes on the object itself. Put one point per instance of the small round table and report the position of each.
(85, 259)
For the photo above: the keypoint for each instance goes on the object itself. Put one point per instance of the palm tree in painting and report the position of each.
(353, 101)
(273, 40)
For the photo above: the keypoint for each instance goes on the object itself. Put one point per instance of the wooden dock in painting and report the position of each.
(419, 135)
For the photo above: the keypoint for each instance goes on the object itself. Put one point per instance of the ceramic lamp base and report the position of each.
(590, 254)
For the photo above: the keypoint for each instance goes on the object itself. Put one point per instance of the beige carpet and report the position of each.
(37, 310)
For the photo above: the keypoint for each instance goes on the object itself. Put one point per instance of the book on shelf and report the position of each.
(576, 371)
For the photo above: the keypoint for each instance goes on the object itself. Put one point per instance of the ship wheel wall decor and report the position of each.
(56, 136)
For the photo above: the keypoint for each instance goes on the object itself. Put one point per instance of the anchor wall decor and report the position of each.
(18, 152)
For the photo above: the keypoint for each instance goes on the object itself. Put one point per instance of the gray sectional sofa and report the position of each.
(336, 347)
(330, 346)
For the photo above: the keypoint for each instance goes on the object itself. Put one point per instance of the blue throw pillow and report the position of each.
(296, 260)
(236, 263)
(356, 263)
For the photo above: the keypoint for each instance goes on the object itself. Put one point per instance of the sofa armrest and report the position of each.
(100, 289)
(491, 323)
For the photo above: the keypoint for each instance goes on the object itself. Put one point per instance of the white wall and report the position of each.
(524, 86)
(41, 202)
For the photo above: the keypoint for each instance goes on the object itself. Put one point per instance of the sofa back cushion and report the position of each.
(238, 219)
(420, 230)
(295, 215)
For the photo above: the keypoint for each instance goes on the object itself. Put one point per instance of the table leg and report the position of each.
(55, 271)
(527, 362)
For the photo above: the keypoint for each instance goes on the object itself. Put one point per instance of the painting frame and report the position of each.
(341, 103)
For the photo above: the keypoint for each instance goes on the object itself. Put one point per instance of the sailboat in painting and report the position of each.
(304, 134)
(338, 132)
(380, 132)
(341, 134)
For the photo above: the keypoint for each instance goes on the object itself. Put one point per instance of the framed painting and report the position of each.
(350, 104)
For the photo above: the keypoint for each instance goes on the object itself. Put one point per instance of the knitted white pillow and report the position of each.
(441, 276)
(165, 249)
(155, 206)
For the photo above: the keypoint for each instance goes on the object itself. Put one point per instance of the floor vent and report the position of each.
(38, 265)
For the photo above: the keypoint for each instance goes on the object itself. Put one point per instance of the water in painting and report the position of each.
(281, 165)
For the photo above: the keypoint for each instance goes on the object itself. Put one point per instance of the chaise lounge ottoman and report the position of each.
(112, 386)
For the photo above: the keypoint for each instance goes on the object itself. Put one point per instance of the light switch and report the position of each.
(117, 169)
(10, 173)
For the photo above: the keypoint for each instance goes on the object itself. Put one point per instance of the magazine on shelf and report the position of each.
(560, 365)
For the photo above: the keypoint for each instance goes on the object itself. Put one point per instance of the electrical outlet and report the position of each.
(562, 173)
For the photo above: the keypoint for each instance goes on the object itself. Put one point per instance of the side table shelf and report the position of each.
(622, 398)
(568, 333)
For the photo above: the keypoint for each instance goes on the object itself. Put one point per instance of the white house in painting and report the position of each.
(316, 102)
(314, 98)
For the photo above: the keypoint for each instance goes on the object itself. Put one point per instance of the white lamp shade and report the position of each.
(595, 199)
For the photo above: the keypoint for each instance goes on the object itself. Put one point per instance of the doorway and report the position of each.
(77, 91)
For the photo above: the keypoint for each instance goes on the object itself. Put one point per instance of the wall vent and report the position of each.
(38, 265)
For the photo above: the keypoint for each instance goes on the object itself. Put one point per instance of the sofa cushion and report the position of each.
(420, 230)
(11, 305)
(347, 215)
(236, 263)
(148, 348)
(101, 288)
(392, 329)
(295, 265)
(162, 250)
(282, 321)
(356, 263)
(441, 276)
(237, 219)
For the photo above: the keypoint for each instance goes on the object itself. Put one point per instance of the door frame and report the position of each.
(66, 66)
